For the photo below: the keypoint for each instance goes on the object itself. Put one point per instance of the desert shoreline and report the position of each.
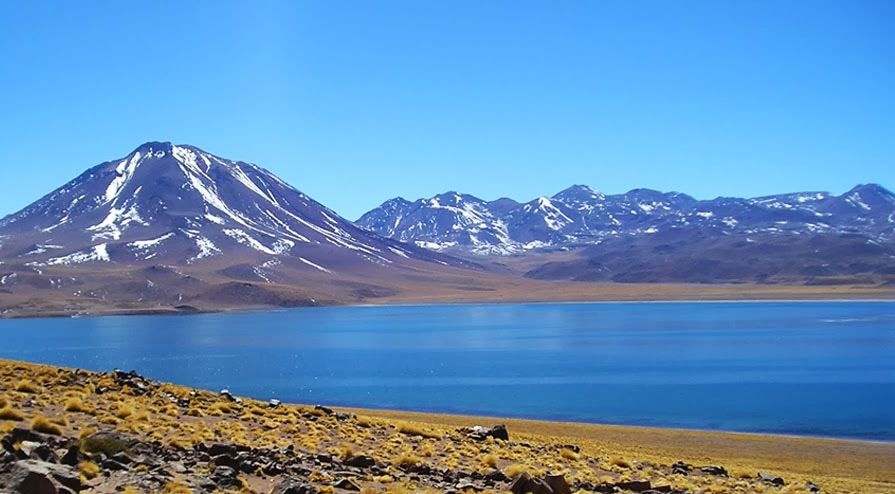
(838, 465)
(691, 294)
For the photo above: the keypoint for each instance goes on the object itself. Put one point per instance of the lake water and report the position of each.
(806, 368)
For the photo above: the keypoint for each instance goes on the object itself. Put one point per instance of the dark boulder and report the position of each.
(226, 478)
(347, 485)
(634, 485)
(360, 461)
(713, 470)
(770, 479)
(38, 477)
(480, 433)
(72, 456)
(558, 484)
(524, 484)
(294, 486)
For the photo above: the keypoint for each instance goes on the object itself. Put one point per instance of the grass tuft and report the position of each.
(415, 430)
(8, 413)
(25, 386)
(45, 425)
(75, 404)
(89, 469)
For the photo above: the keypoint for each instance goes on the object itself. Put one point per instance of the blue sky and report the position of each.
(354, 102)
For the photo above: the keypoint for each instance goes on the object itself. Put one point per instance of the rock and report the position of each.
(19, 435)
(499, 432)
(712, 470)
(107, 443)
(342, 416)
(227, 460)
(27, 482)
(225, 477)
(558, 484)
(112, 465)
(347, 484)
(274, 403)
(571, 447)
(360, 461)
(28, 447)
(524, 484)
(480, 433)
(325, 410)
(293, 486)
(496, 476)
(770, 479)
(218, 449)
(72, 456)
(466, 486)
(681, 468)
(39, 477)
(634, 485)
(811, 486)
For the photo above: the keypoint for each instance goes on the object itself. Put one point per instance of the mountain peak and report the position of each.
(577, 189)
(871, 188)
(181, 205)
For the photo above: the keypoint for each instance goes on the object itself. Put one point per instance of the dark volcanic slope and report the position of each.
(172, 223)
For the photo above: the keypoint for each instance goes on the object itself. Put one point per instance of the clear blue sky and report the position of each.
(354, 102)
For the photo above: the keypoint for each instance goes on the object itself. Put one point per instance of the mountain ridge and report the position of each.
(580, 215)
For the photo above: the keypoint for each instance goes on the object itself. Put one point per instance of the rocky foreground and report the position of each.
(69, 431)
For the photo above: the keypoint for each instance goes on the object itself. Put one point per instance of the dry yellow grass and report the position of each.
(8, 413)
(45, 425)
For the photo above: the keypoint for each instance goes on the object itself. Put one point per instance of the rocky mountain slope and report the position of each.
(650, 236)
(173, 224)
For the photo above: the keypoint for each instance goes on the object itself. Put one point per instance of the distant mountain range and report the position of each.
(174, 228)
(650, 236)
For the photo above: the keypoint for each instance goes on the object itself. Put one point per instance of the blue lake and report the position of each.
(806, 368)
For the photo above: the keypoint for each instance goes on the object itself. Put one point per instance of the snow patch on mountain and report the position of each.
(98, 253)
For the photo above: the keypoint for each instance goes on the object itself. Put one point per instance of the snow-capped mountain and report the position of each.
(581, 216)
(449, 220)
(177, 206)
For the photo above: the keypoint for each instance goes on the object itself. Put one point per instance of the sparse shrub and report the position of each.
(427, 449)
(346, 451)
(88, 469)
(407, 459)
(87, 431)
(25, 386)
(124, 411)
(8, 413)
(75, 404)
(415, 430)
(490, 460)
(176, 488)
(516, 470)
(45, 425)
(568, 454)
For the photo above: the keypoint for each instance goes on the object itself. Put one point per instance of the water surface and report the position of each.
(806, 368)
